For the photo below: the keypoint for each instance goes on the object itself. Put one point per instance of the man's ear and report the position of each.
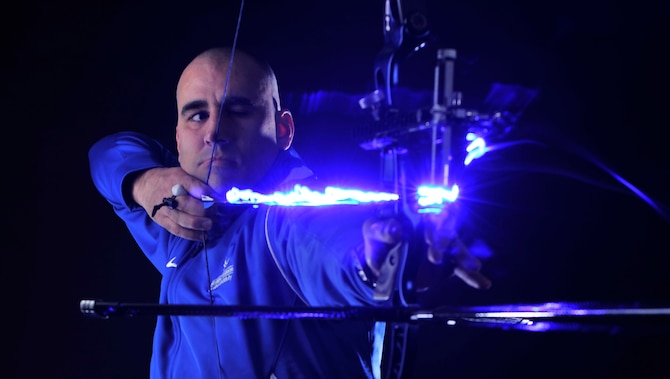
(177, 138)
(285, 128)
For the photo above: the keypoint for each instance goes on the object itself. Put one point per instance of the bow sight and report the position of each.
(406, 124)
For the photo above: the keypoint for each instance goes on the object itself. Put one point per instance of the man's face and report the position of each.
(245, 147)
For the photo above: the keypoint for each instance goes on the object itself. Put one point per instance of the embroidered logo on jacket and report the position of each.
(171, 263)
(225, 276)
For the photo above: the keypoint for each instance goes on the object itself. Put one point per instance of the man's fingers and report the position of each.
(468, 266)
(380, 236)
(474, 279)
(188, 219)
(168, 219)
(196, 190)
(385, 230)
(179, 190)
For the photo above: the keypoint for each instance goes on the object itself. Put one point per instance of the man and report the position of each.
(232, 132)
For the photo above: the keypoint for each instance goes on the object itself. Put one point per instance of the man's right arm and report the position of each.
(135, 173)
(117, 160)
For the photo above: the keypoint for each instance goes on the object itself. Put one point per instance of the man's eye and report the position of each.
(199, 116)
(239, 109)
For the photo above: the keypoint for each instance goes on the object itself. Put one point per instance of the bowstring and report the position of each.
(216, 133)
(209, 172)
(225, 88)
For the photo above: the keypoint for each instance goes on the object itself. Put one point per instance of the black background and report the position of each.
(560, 227)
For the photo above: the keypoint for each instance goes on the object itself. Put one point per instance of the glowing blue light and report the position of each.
(431, 198)
(303, 196)
(420, 46)
(475, 149)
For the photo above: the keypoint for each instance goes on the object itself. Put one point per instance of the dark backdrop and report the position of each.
(560, 227)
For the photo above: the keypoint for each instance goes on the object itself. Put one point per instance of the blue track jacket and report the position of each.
(266, 256)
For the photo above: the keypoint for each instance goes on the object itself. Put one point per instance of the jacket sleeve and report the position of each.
(113, 161)
(315, 248)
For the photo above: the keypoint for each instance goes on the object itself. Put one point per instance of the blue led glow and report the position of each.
(303, 196)
(432, 198)
(429, 198)
(475, 149)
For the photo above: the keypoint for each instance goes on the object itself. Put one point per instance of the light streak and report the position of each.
(303, 196)
(475, 149)
(429, 198)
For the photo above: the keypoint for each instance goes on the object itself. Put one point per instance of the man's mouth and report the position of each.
(220, 161)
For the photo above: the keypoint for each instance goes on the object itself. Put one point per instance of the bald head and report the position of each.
(243, 65)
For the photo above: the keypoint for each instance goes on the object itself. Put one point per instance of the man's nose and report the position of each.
(216, 132)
